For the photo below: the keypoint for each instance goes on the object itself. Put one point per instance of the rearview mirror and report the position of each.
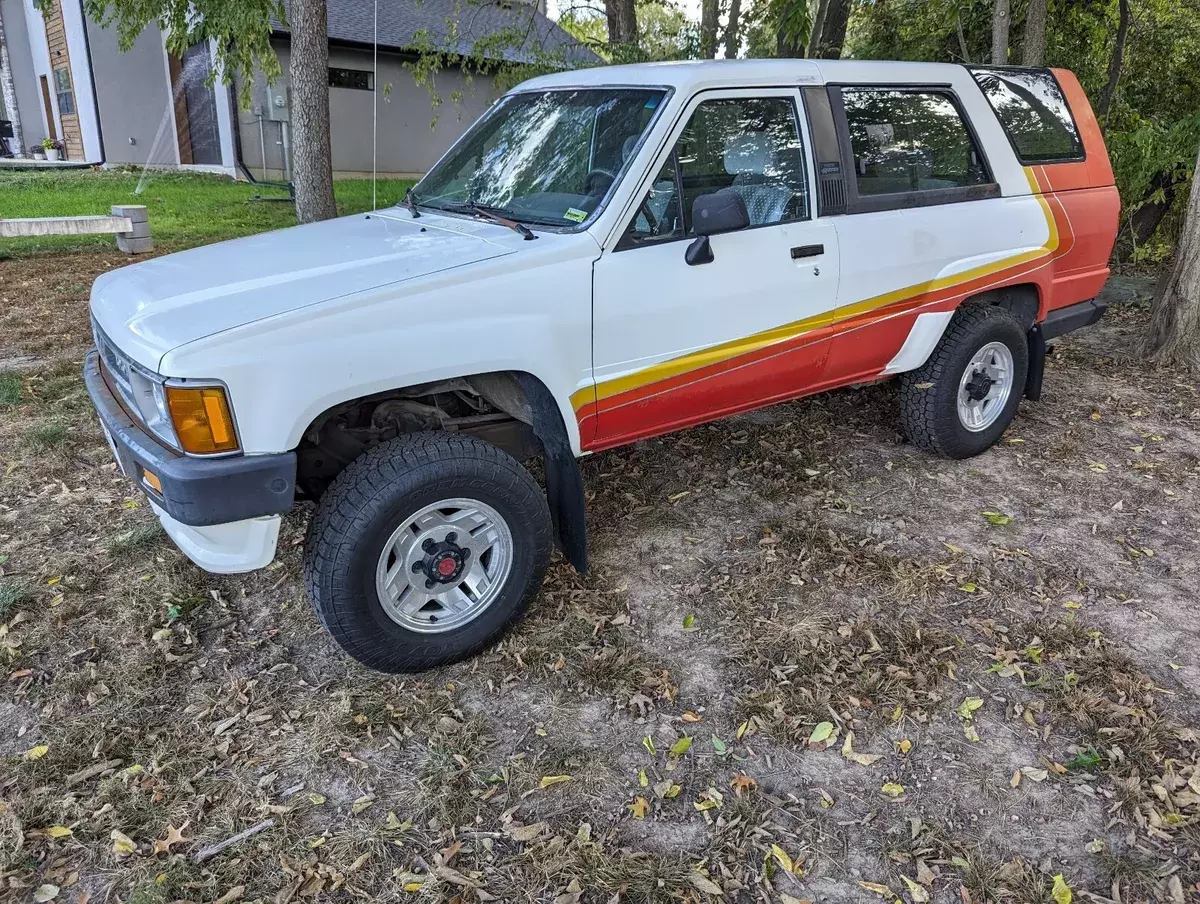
(720, 211)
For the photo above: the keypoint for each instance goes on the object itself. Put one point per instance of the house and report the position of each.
(147, 106)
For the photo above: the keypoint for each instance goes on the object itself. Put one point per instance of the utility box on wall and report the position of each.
(279, 103)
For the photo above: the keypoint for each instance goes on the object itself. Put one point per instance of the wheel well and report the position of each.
(491, 406)
(1022, 300)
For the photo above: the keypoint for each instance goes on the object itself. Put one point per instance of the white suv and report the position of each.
(606, 255)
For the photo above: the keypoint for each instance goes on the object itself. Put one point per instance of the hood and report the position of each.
(150, 308)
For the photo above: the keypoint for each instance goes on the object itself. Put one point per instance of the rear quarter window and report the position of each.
(1033, 112)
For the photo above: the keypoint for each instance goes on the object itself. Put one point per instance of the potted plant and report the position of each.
(52, 148)
(37, 152)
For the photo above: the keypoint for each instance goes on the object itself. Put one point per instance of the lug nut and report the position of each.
(464, 553)
(429, 545)
(451, 537)
(416, 567)
(428, 584)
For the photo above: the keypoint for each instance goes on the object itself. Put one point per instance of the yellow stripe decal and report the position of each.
(735, 348)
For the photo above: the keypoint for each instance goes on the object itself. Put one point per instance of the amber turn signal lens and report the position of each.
(202, 419)
(152, 481)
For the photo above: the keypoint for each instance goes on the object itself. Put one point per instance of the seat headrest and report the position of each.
(628, 146)
(749, 153)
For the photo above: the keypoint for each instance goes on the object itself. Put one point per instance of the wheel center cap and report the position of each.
(977, 389)
(447, 566)
(443, 562)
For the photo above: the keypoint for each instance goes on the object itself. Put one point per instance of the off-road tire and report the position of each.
(365, 504)
(929, 394)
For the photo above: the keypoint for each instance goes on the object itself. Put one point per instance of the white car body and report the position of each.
(297, 321)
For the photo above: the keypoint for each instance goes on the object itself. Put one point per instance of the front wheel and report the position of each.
(959, 402)
(425, 550)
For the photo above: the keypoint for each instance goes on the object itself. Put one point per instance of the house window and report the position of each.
(358, 79)
(909, 141)
(62, 87)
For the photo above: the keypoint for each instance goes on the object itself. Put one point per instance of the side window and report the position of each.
(751, 145)
(658, 218)
(1033, 112)
(909, 141)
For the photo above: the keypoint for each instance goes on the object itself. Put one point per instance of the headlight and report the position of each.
(190, 415)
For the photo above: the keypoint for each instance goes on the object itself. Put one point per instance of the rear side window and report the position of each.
(1033, 111)
(907, 141)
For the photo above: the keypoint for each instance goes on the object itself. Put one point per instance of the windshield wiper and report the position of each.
(411, 203)
(489, 213)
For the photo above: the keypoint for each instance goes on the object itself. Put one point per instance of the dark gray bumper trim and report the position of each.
(195, 491)
(1073, 317)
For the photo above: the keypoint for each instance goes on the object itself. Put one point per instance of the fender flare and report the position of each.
(564, 480)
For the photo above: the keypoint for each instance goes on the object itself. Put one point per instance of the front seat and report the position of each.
(750, 159)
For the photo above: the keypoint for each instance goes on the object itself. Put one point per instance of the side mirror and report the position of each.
(719, 211)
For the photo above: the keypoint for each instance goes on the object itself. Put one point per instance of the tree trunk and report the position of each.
(814, 37)
(962, 38)
(1174, 336)
(709, 14)
(733, 39)
(9, 93)
(1000, 17)
(1114, 66)
(311, 155)
(833, 34)
(1034, 49)
(622, 22)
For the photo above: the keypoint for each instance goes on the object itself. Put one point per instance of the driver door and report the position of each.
(676, 344)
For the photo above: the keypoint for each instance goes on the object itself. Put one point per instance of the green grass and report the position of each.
(186, 209)
(10, 388)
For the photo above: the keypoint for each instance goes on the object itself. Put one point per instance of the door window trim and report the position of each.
(907, 200)
(789, 92)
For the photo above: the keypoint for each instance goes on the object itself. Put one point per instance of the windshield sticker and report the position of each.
(652, 103)
(574, 213)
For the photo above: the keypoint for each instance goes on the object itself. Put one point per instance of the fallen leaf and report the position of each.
(706, 885)
(526, 833)
(1034, 775)
(45, 893)
(363, 804)
(648, 743)
(36, 753)
(742, 782)
(904, 745)
(174, 836)
(782, 858)
(891, 789)
(122, 844)
(820, 736)
(639, 808)
(1016, 779)
(315, 799)
(682, 746)
(643, 779)
(997, 519)
(58, 831)
(915, 891)
(878, 889)
(863, 759)
(548, 780)
(688, 621)
(1061, 892)
(967, 708)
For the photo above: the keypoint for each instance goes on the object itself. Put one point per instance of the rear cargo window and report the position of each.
(1031, 108)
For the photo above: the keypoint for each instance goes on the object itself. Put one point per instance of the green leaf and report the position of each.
(688, 621)
(997, 519)
(682, 746)
(719, 746)
(820, 735)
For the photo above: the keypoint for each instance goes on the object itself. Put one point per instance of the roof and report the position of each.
(454, 26)
(695, 75)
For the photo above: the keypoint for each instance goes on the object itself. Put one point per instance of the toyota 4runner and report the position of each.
(607, 255)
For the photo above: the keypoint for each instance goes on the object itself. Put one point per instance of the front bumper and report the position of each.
(222, 512)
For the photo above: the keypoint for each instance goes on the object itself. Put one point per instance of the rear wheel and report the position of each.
(960, 401)
(425, 550)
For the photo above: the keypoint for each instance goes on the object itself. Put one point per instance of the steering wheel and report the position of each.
(593, 175)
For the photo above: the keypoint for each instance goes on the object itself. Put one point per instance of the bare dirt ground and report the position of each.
(811, 663)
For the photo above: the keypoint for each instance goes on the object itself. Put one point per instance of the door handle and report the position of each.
(807, 251)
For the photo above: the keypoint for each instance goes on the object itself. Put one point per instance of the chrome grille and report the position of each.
(117, 367)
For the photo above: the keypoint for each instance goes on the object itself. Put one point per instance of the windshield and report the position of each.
(547, 157)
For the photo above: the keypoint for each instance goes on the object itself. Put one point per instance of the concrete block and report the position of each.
(37, 226)
(139, 231)
(135, 212)
(135, 246)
